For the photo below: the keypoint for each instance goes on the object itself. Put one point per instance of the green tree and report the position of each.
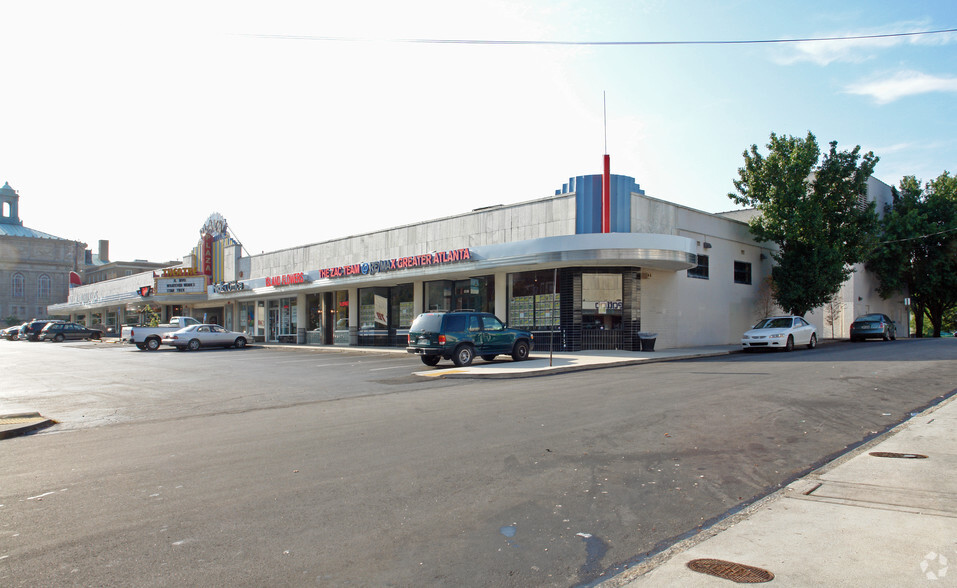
(815, 209)
(917, 251)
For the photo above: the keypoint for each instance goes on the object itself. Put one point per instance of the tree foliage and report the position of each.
(815, 209)
(917, 249)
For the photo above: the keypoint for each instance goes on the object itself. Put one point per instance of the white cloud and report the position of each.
(905, 83)
(844, 49)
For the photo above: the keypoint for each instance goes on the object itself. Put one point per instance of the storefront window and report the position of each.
(341, 314)
(314, 304)
(282, 319)
(401, 305)
(601, 301)
(469, 294)
(247, 318)
(438, 295)
(373, 308)
(533, 302)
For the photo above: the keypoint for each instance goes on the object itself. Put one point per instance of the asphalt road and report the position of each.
(286, 467)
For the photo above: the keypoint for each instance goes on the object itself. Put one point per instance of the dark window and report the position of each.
(455, 323)
(742, 272)
(701, 271)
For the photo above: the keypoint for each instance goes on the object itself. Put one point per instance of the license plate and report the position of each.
(423, 340)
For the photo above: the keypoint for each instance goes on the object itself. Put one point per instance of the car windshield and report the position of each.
(774, 323)
(870, 317)
(430, 322)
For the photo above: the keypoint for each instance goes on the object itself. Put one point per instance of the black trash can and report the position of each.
(647, 341)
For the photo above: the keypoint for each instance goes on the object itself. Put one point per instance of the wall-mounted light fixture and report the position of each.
(707, 245)
(763, 257)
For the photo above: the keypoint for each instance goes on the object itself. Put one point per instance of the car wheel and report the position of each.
(430, 360)
(152, 344)
(240, 342)
(894, 336)
(59, 338)
(813, 342)
(141, 346)
(193, 344)
(463, 356)
(789, 346)
(886, 336)
(488, 357)
(95, 336)
(520, 352)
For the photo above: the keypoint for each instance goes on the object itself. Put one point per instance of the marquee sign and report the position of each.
(371, 268)
(189, 285)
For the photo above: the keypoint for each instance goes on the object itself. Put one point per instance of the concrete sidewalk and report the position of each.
(884, 514)
(539, 364)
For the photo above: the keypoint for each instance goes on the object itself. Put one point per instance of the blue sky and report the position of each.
(134, 122)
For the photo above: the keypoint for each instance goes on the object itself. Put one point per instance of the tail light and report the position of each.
(409, 339)
(441, 339)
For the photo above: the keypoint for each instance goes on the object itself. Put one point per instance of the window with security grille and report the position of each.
(742, 272)
(701, 271)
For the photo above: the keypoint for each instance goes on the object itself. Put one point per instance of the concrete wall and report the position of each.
(687, 311)
(529, 220)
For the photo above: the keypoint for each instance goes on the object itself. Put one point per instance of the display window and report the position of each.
(385, 314)
(470, 294)
(282, 319)
(533, 302)
(601, 301)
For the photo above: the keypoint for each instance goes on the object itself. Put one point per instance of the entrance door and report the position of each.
(273, 323)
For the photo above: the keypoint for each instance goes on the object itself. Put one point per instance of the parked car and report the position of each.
(31, 330)
(461, 335)
(873, 326)
(780, 332)
(11, 333)
(195, 336)
(149, 338)
(59, 332)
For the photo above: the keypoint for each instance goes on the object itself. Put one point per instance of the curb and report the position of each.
(20, 424)
(567, 369)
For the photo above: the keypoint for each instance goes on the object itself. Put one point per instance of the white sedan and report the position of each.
(195, 336)
(780, 332)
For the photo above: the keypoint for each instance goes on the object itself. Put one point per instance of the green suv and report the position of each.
(461, 335)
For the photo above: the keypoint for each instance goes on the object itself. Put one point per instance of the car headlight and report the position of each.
(776, 335)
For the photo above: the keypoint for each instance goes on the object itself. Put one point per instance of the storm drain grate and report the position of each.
(898, 455)
(741, 573)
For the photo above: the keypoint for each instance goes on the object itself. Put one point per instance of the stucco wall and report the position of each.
(518, 222)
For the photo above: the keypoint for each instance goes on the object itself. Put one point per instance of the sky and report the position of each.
(302, 122)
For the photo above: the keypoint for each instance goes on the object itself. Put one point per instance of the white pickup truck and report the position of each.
(148, 338)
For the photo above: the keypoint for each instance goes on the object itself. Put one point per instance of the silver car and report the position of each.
(195, 336)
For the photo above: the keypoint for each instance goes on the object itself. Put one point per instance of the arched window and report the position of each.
(18, 282)
(43, 287)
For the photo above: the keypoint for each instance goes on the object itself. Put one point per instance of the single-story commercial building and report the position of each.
(691, 277)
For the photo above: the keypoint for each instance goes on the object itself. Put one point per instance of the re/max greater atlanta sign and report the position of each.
(370, 268)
